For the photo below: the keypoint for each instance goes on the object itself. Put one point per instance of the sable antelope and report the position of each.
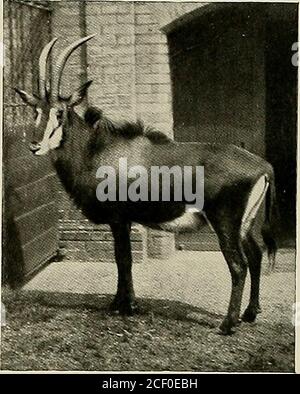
(237, 183)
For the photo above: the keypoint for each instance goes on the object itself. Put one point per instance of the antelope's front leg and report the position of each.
(124, 300)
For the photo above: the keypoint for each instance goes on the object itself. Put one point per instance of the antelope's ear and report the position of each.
(79, 94)
(27, 98)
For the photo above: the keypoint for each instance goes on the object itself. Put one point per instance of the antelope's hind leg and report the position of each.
(241, 250)
(226, 225)
(254, 255)
(124, 300)
(237, 263)
(251, 246)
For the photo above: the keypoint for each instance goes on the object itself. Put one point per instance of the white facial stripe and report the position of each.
(52, 136)
(39, 117)
(254, 202)
(56, 138)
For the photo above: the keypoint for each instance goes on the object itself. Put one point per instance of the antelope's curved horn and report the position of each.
(61, 62)
(43, 67)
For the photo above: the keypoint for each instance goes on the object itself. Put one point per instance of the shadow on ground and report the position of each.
(62, 331)
(165, 308)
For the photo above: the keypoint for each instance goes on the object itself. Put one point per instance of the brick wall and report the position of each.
(129, 64)
(112, 57)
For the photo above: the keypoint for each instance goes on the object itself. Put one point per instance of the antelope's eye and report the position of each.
(36, 114)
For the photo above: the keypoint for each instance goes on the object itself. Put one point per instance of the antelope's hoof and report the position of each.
(124, 307)
(250, 314)
(228, 326)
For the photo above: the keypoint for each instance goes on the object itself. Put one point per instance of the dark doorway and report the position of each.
(229, 82)
(281, 111)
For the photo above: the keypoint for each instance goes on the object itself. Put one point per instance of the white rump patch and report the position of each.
(191, 220)
(254, 202)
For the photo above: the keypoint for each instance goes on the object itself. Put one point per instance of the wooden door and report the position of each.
(30, 227)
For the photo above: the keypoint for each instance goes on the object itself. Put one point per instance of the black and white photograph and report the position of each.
(149, 183)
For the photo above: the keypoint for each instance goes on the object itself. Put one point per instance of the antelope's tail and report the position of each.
(270, 224)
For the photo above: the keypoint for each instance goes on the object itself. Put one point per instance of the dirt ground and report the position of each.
(56, 332)
(60, 319)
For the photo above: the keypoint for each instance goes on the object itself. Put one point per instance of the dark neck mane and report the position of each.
(105, 129)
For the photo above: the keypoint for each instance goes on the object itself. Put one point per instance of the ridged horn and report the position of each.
(43, 60)
(61, 62)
